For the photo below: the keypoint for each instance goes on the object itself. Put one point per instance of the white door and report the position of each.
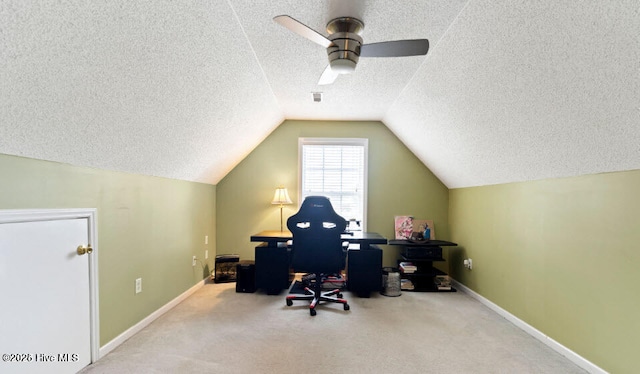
(45, 314)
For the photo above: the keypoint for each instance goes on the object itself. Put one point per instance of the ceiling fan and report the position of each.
(344, 44)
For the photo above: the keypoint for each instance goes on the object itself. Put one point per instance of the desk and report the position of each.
(364, 261)
(272, 238)
(364, 239)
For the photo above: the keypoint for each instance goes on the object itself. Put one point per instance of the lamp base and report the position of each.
(281, 223)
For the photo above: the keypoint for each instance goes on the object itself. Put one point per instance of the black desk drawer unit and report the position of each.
(272, 268)
(364, 270)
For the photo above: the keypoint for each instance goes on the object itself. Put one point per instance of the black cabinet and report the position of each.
(422, 255)
(272, 268)
(364, 270)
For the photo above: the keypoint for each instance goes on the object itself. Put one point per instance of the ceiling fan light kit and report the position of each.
(345, 45)
(343, 65)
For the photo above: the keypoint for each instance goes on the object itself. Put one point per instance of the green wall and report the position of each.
(560, 254)
(148, 228)
(399, 184)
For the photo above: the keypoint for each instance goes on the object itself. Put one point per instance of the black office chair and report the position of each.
(317, 249)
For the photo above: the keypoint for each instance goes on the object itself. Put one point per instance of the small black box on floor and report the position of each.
(225, 268)
(246, 276)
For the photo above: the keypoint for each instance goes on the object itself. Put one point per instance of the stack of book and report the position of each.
(443, 282)
(407, 267)
(406, 285)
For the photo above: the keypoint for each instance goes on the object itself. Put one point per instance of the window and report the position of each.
(336, 168)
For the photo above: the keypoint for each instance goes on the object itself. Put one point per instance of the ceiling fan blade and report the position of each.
(397, 48)
(302, 30)
(328, 76)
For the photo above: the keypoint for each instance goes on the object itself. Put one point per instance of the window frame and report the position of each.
(362, 142)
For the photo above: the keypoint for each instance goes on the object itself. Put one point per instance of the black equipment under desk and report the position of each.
(364, 261)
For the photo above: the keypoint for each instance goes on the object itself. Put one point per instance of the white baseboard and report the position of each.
(566, 352)
(145, 322)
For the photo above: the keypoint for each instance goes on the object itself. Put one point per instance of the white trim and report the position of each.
(561, 349)
(113, 344)
(33, 215)
(91, 215)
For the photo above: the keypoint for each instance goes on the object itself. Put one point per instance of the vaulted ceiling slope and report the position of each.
(509, 91)
(526, 90)
(163, 88)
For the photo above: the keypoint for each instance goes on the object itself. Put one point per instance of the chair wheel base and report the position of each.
(315, 295)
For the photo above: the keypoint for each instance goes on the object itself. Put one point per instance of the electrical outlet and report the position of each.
(193, 262)
(468, 263)
(206, 254)
(206, 239)
(138, 285)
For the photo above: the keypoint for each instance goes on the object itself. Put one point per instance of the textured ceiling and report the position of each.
(509, 91)
(520, 91)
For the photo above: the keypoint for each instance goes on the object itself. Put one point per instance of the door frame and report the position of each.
(91, 214)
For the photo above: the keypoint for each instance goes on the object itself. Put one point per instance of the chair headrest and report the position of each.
(316, 210)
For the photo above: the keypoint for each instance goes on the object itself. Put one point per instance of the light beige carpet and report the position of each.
(217, 330)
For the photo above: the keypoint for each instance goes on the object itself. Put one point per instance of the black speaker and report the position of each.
(246, 277)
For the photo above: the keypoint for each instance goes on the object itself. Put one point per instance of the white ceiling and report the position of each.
(509, 91)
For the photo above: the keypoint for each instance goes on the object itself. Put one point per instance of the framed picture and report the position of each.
(403, 227)
(419, 225)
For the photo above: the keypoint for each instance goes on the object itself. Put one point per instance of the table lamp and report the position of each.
(281, 197)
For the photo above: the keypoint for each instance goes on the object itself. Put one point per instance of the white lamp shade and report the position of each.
(281, 197)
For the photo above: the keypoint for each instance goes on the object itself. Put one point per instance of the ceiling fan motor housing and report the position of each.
(344, 44)
(344, 51)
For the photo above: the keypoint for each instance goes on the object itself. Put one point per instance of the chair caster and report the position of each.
(339, 296)
(289, 302)
(346, 307)
(312, 312)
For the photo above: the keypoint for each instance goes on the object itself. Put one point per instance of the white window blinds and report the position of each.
(336, 168)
